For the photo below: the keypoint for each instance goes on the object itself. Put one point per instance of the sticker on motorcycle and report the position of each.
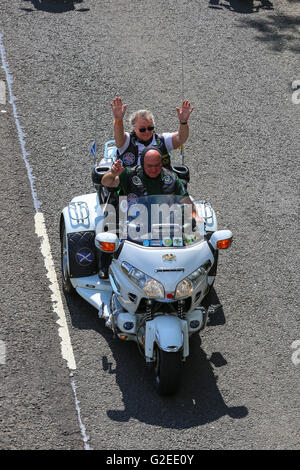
(167, 242)
(156, 243)
(84, 256)
(190, 238)
(177, 241)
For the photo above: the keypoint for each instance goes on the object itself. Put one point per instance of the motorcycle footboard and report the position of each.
(169, 333)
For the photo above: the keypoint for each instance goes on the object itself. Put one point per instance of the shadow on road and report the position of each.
(54, 6)
(280, 31)
(241, 6)
(198, 401)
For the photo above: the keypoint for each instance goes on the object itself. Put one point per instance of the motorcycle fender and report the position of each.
(169, 333)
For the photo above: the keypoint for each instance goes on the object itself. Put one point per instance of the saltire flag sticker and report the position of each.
(84, 256)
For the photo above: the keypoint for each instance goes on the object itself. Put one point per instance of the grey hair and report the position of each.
(142, 113)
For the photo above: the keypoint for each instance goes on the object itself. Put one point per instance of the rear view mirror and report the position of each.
(221, 239)
(107, 242)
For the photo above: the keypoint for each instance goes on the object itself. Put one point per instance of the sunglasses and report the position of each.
(144, 129)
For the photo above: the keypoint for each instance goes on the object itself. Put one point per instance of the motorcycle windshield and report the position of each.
(160, 221)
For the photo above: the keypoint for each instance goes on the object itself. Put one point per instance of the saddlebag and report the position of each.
(82, 254)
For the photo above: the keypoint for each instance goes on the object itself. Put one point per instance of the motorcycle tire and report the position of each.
(168, 369)
(66, 283)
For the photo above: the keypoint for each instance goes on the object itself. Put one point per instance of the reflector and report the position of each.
(105, 246)
(223, 244)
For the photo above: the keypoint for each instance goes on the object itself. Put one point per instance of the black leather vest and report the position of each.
(136, 186)
(131, 154)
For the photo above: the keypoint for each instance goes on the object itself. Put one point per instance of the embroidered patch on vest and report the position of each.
(136, 180)
(128, 159)
(167, 179)
(131, 197)
(158, 142)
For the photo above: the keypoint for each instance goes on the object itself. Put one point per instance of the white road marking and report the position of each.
(2, 92)
(21, 135)
(85, 437)
(40, 229)
(63, 331)
(2, 352)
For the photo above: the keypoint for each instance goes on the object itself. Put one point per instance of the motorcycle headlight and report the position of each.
(196, 275)
(152, 288)
(186, 286)
(184, 289)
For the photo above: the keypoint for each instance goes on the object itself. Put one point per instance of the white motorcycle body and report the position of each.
(160, 326)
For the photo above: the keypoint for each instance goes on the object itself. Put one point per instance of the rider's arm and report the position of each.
(126, 144)
(119, 133)
(179, 137)
(111, 178)
(118, 110)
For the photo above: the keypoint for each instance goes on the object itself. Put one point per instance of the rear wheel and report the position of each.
(66, 282)
(168, 367)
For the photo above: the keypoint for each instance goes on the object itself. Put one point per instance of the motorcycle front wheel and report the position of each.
(168, 367)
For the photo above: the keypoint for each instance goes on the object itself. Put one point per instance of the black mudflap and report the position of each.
(82, 254)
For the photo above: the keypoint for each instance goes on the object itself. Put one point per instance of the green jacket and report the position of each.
(136, 181)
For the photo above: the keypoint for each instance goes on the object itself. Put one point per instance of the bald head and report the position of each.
(152, 163)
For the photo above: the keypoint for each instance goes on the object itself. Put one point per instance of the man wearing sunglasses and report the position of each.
(130, 146)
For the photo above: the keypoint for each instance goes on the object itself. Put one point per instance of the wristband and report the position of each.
(118, 123)
(183, 123)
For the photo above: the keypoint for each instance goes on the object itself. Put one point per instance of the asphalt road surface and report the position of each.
(238, 63)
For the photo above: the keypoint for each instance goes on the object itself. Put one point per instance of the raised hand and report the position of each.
(117, 168)
(185, 111)
(118, 108)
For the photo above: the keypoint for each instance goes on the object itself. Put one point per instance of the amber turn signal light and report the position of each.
(105, 246)
(223, 244)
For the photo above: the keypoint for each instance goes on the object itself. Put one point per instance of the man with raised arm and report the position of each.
(148, 178)
(130, 146)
